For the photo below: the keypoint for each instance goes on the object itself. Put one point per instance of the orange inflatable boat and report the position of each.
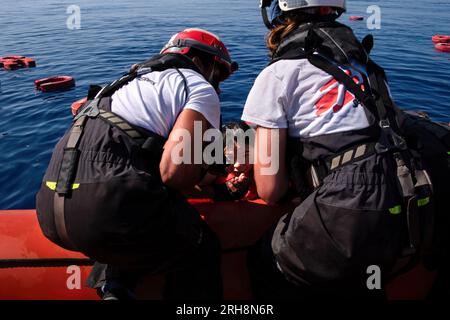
(33, 268)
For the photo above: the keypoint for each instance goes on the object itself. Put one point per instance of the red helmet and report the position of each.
(206, 42)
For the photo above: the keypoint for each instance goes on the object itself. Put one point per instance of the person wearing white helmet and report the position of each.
(327, 106)
(313, 7)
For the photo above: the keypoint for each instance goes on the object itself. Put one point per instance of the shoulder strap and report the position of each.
(332, 69)
(374, 99)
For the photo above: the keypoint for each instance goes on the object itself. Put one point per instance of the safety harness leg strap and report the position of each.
(66, 178)
(70, 158)
(59, 202)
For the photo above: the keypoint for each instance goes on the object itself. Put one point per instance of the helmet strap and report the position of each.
(265, 18)
(212, 79)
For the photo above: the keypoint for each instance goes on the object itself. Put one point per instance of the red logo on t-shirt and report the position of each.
(335, 95)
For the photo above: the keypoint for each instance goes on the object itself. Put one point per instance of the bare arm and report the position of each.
(185, 175)
(271, 176)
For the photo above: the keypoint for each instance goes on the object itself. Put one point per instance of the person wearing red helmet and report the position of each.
(208, 43)
(112, 190)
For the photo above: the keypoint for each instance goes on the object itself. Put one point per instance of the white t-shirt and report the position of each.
(295, 95)
(155, 100)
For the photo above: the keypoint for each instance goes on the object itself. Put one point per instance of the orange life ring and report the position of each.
(440, 38)
(16, 62)
(443, 47)
(54, 83)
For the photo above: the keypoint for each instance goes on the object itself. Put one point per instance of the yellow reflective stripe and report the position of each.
(423, 202)
(396, 210)
(52, 185)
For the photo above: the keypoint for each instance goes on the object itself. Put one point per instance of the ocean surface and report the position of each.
(116, 34)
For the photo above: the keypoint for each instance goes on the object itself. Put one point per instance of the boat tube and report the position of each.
(33, 268)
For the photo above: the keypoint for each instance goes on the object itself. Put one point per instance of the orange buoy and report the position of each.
(55, 83)
(77, 105)
(443, 47)
(440, 38)
(10, 65)
(356, 18)
(30, 63)
(16, 62)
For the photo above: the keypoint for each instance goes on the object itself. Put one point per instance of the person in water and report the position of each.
(127, 211)
(337, 147)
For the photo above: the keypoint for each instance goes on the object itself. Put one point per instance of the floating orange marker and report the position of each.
(444, 47)
(356, 18)
(10, 65)
(17, 62)
(77, 105)
(54, 83)
(440, 38)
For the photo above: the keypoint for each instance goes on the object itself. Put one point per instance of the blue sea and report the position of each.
(116, 34)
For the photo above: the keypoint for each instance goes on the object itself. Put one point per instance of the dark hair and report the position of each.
(206, 58)
(235, 125)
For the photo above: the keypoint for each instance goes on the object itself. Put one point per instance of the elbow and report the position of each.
(169, 179)
(270, 197)
(272, 194)
(176, 178)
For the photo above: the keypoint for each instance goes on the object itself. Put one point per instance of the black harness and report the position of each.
(99, 106)
(326, 45)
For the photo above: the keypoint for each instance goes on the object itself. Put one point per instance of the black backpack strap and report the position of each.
(373, 99)
(389, 139)
(186, 88)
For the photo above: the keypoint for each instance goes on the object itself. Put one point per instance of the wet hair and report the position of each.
(237, 125)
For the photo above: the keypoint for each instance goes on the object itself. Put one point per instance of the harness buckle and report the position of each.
(389, 139)
(91, 110)
(385, 124)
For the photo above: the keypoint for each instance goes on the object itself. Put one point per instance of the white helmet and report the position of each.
(273, 10)
(288, 5)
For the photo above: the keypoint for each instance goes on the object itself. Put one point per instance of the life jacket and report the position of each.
(105, 170)
(326, 239)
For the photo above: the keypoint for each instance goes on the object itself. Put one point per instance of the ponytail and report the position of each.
(292, 20)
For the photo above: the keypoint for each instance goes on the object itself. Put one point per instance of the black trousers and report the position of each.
(194, 276)
(269, 283)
